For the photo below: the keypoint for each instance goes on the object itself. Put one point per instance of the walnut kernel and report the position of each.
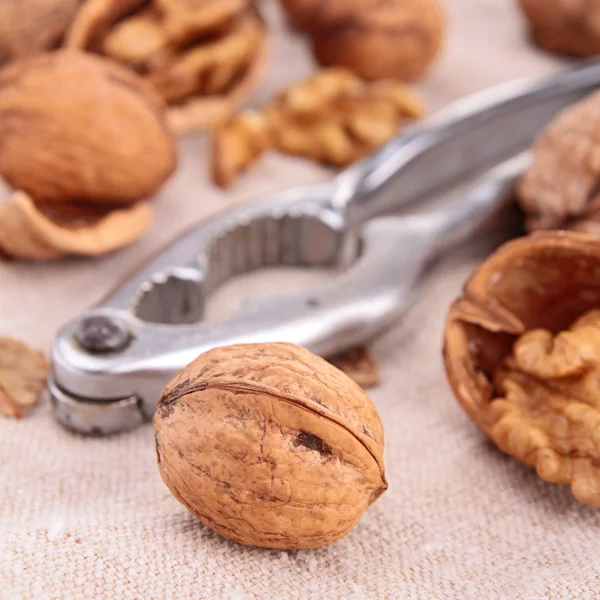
(560, 189)
(522, 353)
(333, 117)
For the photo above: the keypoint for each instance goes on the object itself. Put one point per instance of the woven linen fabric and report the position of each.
(91, 518)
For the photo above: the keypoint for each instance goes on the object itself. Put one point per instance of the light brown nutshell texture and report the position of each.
(561, 188)
(522, 353)
(270, 446)
(565, 26)
(79, 128)
(22, 376)
(31, 26)
(375, 38)
(202, 56)
(28, 231)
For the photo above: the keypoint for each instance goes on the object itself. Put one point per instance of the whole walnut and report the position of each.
(560, 189)
(522, 354)
(565, 26)
(80, 128)
(270, 445)
(377, 39)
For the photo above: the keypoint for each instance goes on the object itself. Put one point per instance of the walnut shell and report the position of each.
(376, 39)
(508, 363)
(560, 189)
(565, 26)
(28, 27)
(78, 128)
(23, 373)
(203, 57)
(270, 445)
(28, 232)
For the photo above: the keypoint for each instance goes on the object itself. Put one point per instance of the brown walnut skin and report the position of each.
(545, 281)
(270, 446)
(561, 187)
(31, 26)
(79, 128)
(570, 27)
(377, 39)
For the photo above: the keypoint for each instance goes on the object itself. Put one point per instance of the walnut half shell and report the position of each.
(526, 381)
(270, 445)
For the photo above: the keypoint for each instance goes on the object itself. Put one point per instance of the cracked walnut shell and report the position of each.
(569, 27)
(377, 39)
(79, 128)
(522, 354)
(29, 231)
(270, 446)
(23, 374)
(203, 57)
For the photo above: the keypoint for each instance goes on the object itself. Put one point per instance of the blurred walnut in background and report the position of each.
(202, 56)
(522, 354)
(31, 26)
(375, 38)
(565, 26)
(560, 189)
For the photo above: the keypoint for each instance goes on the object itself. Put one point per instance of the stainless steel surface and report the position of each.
(320, 225)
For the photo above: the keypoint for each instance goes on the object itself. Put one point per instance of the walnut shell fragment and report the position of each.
(522, 355)
(377, 39)
(561, 189)
(33, 26)
(79, 128)
(270, 446)
(569, 27)
(23, 374)
(29, 232)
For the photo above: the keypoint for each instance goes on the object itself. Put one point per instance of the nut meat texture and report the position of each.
(107, 131)
(522, 353)
(377, 39)
(270, 445)
(565, 26)
(560, 189)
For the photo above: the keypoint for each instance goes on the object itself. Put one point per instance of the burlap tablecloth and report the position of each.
(91, 518)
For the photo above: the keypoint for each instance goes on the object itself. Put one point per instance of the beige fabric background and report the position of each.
(91, 518)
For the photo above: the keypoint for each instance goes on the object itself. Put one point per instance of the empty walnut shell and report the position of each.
(377, 39)
(561, 188)
(79, 128)
(532, 404)
(565, 26)
(28, 232)
(270, 445)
